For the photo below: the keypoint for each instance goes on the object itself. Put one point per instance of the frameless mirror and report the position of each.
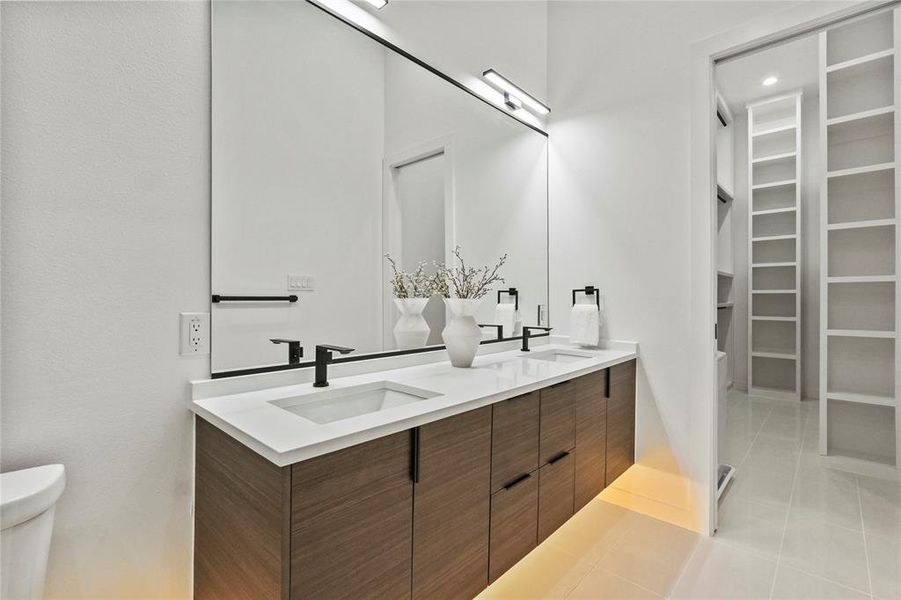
(329, 150)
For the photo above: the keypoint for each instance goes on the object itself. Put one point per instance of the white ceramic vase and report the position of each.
(462, 334)
(411, 329)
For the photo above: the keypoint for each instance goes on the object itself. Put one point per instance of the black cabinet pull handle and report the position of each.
(558, 456)
(414, 454)
(607, 384)
(516, 481)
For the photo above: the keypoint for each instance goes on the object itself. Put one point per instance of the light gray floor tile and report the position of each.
(830, 500)
(752, 526)
(792, 584)
(772, 485)
(719, 571)
(825, 550)
(773, 453)
(881, 504)
(885, 566)
(601, 584)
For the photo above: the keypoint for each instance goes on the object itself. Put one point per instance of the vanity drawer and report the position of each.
(514, 524)
(591, 437)
(514, 439)
(555, 494)
(558, 420)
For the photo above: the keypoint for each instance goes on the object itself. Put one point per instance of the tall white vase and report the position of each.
(462, 334)
(411, 329)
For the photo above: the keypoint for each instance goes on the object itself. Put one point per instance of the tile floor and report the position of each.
(789, 528)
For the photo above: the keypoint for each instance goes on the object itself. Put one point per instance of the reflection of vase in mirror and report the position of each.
(411, 329)
(462, 334)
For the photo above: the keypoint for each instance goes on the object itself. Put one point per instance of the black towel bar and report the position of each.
(218, 298)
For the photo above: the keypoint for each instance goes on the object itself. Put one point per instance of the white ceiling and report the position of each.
(794, 63)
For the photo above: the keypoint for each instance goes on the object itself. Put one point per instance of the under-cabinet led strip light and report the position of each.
(514, 92)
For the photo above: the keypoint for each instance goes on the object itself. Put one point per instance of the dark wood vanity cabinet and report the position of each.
(620, 420)
(591, 437)
(436, 512)
(451, 500)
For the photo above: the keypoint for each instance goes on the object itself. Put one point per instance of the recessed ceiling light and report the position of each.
(771, 80)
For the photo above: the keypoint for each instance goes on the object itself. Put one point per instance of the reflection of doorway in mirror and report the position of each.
(419, 220)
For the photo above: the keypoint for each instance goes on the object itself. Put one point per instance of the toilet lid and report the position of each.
(27, 493)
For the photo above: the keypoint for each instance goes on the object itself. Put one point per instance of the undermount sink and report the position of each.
(344, 403)
(561, 356)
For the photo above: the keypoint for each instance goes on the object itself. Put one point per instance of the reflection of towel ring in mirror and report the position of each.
(589, 290)
(510, 292)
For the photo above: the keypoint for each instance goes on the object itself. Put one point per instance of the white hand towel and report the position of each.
(505, 314)
(585, 325)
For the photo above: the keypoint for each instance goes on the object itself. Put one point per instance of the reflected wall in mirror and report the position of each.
(330, 150)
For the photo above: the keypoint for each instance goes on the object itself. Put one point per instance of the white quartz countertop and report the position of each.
(255, 419)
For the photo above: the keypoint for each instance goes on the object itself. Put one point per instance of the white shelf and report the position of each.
(862, 279)
(860, 333)
(774, 354)
(861, 170)
(773, 265)
(774, 184)
(862, 224)
(781, 157)
(773, 130)
(861, 398)
(861, 60)
(776, 319)
(859, 116)
(770, 238)
(774, 291)
(725, 305)
(725, 274)
(774, 211)
(723, 194)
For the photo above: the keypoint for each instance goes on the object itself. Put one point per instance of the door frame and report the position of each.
(780, 26)
(391, 219)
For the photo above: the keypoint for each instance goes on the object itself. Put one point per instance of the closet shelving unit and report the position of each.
(860, 249)
(774, 231)
(725, 307)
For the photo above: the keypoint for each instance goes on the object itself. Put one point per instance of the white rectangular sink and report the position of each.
(561, 356)
(344, 403)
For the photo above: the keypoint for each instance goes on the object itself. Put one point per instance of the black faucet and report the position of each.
(500, 329)
(527, 333)
(323, 358)
(295, 351)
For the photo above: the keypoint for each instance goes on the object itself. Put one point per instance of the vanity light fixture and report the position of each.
(513, 94)
(771, 80)
(377, 3)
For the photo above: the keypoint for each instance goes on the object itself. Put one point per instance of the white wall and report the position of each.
(105, 238)
(619, 177)
(810, 247)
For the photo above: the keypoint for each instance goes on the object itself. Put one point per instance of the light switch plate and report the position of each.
(194, 334)
(300, 283)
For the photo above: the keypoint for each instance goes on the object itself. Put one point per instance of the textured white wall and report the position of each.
(105, 239)
(618, 83)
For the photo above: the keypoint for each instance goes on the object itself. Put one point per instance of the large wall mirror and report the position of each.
(329, 150)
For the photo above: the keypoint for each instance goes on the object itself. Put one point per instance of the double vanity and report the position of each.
(417, 482)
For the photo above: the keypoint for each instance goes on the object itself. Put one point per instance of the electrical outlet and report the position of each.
(300, 283)
(194, 334)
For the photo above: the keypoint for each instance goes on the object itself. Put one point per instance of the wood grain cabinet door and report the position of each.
(591, 436)
(558, 420)
(451, 503)
(621, 420)
(351, 522)
(514, 524)
(514, 439)
(555, 494)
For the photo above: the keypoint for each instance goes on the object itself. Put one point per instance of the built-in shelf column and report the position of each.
(860, 303)
(725, 307)
(774, 253)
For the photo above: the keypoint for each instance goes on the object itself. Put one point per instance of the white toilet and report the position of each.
(27, 498)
